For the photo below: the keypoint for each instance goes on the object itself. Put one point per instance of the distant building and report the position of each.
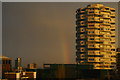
(12, 75)
(95, 32)
(32, 66)
(6, 64)
(18, 66)
(20, 75)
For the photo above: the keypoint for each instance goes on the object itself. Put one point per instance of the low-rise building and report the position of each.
(5, 65)
(32, 66)
(20, 75)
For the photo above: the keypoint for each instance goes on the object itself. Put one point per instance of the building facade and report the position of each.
(20, 75)
(18, 66)
(95, 36)
(6, 64)
(32, 66)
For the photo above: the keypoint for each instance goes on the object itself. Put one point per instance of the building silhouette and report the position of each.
(32, 66)
(18, 66)
(95, 36)
(5, 65)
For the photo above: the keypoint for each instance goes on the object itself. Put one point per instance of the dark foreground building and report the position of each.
(73, 72)
(118, 62)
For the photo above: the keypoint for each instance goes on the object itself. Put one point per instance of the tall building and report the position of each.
(95, 36)
(18, 64)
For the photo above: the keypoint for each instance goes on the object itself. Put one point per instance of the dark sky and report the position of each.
(41, 32)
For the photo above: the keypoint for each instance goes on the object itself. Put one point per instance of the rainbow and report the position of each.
(65, 50)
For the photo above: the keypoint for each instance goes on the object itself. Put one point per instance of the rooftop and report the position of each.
(4, 57)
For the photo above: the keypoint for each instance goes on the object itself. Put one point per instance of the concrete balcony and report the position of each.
(93, 52)
(113, 53)
(112, 14)
(106, 23)
(94, 45)
(93, 25)
(112, 9)
(106, 16)
(94, 59)
(82, 49)
(107, 42)
(113, 59)
(105, 10)
(94, 19)
(82, 12)
(107, 47)
(91, 59)
(107, 36)
(93, 6)
(106, 50)
(105, 59)
(82, 36)
(93, 32)
(113, 46)
(112, 33)
(112, 26)
(106, 29)
(113, 21)
(83, 24)
(92, 12)
(102, 53)
(97, 39)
